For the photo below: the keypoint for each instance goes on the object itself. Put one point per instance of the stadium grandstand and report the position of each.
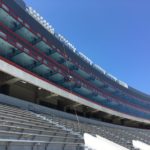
(52, 96)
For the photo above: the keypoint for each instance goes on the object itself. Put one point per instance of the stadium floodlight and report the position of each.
(29, 8)
(74, 49)
(34, 15)
(41, 18)
(44, 21)
(47, 24)
(34, 11)
(31, 12)
(51, 28)
(38, 15)
(53, 31)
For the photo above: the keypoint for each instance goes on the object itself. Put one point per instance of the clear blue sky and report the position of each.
(113, 33)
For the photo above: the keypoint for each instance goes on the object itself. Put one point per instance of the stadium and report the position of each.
(51, 94)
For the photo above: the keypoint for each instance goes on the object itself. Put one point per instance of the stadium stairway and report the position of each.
(26, 130)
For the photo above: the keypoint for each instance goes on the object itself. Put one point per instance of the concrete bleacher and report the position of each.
(22, 129)
(49, 129)
(118, 134)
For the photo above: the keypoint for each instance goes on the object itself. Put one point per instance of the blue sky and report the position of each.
(113, 33)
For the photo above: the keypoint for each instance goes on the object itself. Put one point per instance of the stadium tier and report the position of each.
(48, 129)
(41, 66)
